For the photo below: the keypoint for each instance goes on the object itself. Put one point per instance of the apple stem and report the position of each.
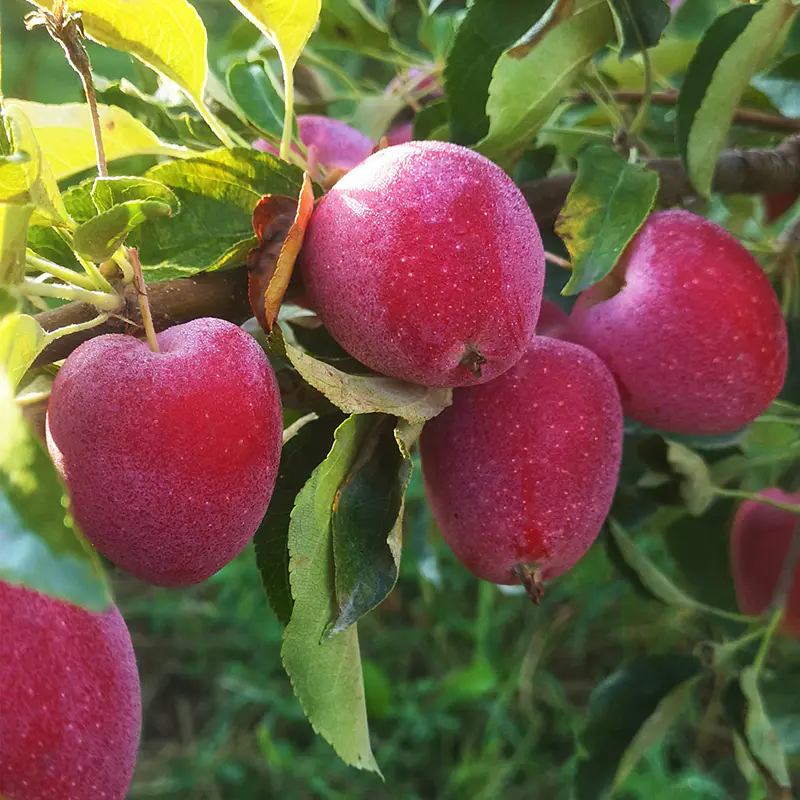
(144, 302)
(103, 300)
(557, 260)
(763, 650)
(530, 576)
(759, 498)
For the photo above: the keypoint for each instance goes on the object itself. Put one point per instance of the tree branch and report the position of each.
(742, 116)
(224, 294)
(737, 172)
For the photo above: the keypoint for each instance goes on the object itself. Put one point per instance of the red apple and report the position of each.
(70, 704)
(690, 327)
(553, 322)
(170, 458)
(761, 537)
(520, 472)
(336, 145)
(425, 263)
(777, 205)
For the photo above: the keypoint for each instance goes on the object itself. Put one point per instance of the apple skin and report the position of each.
(70, 702)
(694, 335)
(522, 470)
(336, 144)
(421, 255)
(553, 322)
(170, 458)
(761, 537)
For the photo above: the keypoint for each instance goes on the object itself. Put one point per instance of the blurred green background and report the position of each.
(471, 691)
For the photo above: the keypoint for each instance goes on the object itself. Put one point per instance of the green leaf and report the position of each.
(639, 23)
(628, 712)
(325, 672)
(733, 49)
(167, 35)
(700, 547)
(746, 710)
(64, 133)
(547, 71)
(367, 523)
(301, 454)
(257, 95)
(697, 489)
(367, 394)
(488, 30)
(26, 176)
(217, 193)
(21, 340)
(110, 192)
(606, 205)
(39, 547)
(286, 23)
(100, 237)
(429, 119)
(349, 24)
(651, 578)
(14, 219)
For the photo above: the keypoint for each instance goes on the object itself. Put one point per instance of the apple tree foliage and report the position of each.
(594, 87)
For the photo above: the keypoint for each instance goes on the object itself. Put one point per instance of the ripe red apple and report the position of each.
(336, 145)
(553, 322)
(520, 472)
(170, 458)
(776, 205)
(70, 703)
(401, 134)
(761, 537)
(425, 263)
(690, 327)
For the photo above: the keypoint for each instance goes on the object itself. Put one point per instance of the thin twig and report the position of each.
(742, 116)
(144, 303)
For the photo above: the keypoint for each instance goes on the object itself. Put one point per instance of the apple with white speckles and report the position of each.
(70, 703)
(520, 472)
(689, 325)
(170, 458)
(425, 263)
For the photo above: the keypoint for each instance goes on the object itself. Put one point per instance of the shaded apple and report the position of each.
(553, 321)
(761, 537)
(170, 458)
(425, 263)
(520, 472)
(690, 327)
(336, 145)
(70, 703)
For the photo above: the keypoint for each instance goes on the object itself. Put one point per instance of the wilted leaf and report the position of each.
(367, 394)
(300, 456)
(64, 133)
(697, 489)
(325, 673)
(367, 523)
(629, 711)
(21, 340)
(639, 23)
(488, 30)
(279, 283)
(39, 548)
(606, 205)
(100, 237)
(732, 50)
(167, 35)
(546, 71)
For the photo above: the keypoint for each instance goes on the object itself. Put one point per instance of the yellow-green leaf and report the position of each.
(64, 133)
(27, 176)
(286, 23)
(14, 219)
(167, 35)
(21, 340)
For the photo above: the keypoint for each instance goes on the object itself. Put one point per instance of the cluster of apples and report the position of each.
(425, 263)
